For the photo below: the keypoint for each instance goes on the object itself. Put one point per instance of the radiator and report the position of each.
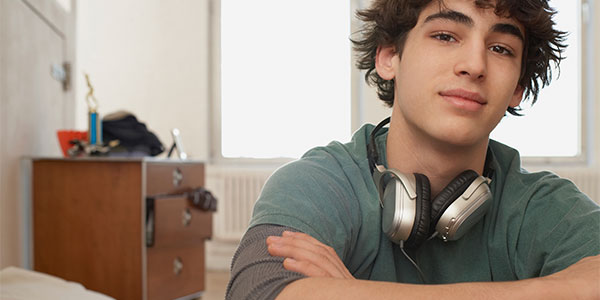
(236, 189)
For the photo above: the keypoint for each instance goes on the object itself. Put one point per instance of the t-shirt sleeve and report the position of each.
(255, 274)
(560, 226)
(314, 196)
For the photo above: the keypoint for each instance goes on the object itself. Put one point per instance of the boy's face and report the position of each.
(457, 74)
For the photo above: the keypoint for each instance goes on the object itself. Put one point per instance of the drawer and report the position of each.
(175, 272)
(172, 178)
(178, 222)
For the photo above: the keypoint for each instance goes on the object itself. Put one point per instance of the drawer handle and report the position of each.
(177, 266)
(177, 177)
(186, 217)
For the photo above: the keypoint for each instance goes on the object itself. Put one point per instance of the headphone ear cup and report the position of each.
(422, 224)
(450, 193)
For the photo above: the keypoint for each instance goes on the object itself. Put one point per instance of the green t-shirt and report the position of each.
(538, 223)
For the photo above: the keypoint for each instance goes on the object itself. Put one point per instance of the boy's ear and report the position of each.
(383, 62)
(517, 96)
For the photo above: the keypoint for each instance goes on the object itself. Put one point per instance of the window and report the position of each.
(552, 128)
(285, 71)
(285, 76)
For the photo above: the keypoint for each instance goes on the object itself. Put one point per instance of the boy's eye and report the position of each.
(501, 50)
(444, 37)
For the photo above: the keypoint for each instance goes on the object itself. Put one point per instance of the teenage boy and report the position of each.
(431, 199)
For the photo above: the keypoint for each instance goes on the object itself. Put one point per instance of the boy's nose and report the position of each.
(472, 62)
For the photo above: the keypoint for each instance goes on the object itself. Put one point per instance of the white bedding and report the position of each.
(21, 284)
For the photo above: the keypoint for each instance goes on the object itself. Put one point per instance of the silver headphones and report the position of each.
(409, 216)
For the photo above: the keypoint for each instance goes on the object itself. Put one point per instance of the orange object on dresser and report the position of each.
(65, 136)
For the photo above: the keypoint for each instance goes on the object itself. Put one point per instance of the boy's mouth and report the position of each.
(467, 100)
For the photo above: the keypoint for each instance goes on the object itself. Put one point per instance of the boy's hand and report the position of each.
(306, 255)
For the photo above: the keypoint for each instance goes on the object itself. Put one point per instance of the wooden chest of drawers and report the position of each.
(121, 227)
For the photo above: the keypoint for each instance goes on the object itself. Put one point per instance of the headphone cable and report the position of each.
(421, 275)
(433, 235)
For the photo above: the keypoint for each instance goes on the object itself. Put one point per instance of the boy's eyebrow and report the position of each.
(461, 18)
(508, 28)
(451, 15)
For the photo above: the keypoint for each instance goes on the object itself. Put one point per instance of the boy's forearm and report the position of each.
(332, 288)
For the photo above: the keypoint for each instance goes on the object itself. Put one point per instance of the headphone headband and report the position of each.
(372, 153)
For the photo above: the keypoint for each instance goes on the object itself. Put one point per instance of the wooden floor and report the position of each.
(216, 284)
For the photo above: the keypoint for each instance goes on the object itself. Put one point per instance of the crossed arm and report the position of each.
(328, 278)
(297, 266)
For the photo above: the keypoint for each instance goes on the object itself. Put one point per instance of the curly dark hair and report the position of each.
(387, 22)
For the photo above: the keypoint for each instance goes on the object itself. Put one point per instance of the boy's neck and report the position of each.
(413, 152)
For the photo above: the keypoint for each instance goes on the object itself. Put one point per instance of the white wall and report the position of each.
(595, 134)
(34, 35)
(149, 57)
